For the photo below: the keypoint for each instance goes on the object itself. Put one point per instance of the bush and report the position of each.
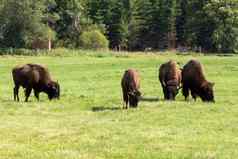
(94, 40)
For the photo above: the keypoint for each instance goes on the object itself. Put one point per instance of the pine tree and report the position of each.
(181, 21)
(155, 24)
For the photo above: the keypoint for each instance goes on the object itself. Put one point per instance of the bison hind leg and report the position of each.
(16, 92)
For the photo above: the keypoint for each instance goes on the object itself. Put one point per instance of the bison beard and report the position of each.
(36, 77)
(193, 80)
(134, 98)
(171, 90)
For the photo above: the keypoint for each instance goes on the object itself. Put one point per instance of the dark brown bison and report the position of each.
(130, 84)
(193, 79)
(36, 77)
(170, 79)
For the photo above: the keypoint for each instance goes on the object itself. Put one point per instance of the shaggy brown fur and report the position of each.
(36, 77)
(170, 79)
(130, 84)
(193, 80)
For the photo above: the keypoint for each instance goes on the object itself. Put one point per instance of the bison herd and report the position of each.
(190, 78)
(172, 78)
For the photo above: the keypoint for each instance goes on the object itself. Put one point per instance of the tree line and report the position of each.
(134, 25)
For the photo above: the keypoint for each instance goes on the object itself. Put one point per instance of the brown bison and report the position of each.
(193, 79)
(130, 84)
(170, 79)
(36, 77)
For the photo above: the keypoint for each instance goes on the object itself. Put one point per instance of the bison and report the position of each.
(170, 79)
(36, 77)
(193, 80)
(130, 84)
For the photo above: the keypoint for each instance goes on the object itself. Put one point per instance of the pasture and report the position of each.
(88, 122)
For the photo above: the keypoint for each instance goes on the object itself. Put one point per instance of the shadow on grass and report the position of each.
(7, 100)
(102, 108)
(150, 99)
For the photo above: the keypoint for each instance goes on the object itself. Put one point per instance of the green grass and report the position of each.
(88, 122)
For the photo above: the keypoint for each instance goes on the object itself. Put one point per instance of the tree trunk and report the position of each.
(49, 44)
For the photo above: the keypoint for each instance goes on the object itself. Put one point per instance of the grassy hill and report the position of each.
(88, 122)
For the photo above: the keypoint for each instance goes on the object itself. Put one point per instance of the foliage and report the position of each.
(68, 26)
(225, 15)
(211, 25)
(94, 40)
(20, 23)
(205, 25)
(115, 15)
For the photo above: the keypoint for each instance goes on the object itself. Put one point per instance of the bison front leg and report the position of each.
(16, 92)
(27, 93)
(194, 95)
(165, 93)
(185, 92)
(36, 93)
(125, 100)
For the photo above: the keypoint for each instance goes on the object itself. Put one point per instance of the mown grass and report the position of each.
(88, 122)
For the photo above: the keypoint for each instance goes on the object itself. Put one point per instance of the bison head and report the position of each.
(134, 98)
(171, 89)
(207, 94)
(53, 90)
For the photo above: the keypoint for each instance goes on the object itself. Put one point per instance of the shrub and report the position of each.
(94, 40)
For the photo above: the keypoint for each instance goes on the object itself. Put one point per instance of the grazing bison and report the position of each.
(130, 84)
(170, 79)
(36, 77)
(193, 79)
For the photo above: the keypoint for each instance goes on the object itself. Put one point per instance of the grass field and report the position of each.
(88, 122)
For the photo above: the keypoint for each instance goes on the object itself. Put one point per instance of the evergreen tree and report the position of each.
(155, 24)
(181, 21)
(199, 26)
